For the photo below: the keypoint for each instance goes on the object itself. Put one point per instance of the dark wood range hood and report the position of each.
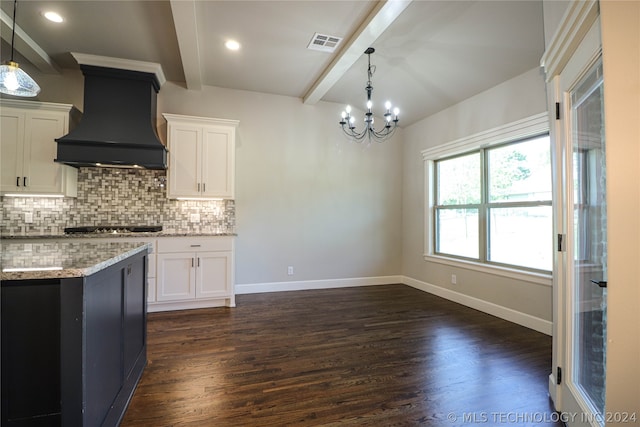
(118, 126)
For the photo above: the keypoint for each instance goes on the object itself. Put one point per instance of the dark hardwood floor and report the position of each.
(369, 356)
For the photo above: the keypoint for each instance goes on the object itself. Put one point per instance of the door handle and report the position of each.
(601, 283)
(24, 181)
(17, 181)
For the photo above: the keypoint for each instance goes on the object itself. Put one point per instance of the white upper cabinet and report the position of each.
(201, 157)
(28, 148)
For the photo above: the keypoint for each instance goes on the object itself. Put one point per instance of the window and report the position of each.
(492, 204)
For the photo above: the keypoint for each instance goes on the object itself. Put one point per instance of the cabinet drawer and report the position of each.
(195, 244)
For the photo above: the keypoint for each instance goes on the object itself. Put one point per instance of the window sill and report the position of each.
(512, 273)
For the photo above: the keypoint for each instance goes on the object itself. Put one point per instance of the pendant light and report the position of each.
(14, 81)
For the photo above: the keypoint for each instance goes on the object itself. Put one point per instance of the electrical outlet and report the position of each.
(290, 271)
(454, 279)
(28, 217)
(194, 217)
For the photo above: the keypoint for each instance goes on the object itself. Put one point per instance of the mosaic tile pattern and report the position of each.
(115, 197)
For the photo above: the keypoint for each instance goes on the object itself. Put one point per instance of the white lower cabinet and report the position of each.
(194, 272)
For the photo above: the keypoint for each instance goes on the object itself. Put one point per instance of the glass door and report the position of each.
(582, 281)
(589, 255)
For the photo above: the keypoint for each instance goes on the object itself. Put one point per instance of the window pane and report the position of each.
(457, 232)
(459, 180)
(521, 171)
(521, 236)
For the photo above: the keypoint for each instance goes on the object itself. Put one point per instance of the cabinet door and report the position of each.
(218, 162)
(43, 174)
(213, 274)
(176, 277)
(184, 161)
(11, 150)
(134, 314)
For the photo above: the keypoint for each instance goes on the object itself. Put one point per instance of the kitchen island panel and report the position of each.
(98, 339)
(30, 352)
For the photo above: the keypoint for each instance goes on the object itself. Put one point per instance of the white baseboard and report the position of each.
(256, 288)
(523, 319)
(553, 392)
(153, 307)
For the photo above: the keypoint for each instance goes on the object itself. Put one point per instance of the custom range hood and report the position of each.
(118, 126)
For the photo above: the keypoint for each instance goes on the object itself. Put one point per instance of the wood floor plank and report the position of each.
(368, 356)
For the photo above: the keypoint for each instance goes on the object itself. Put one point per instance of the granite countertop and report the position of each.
(147, 235)
(22, 261)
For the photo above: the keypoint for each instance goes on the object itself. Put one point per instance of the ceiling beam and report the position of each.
(184, 19)
(380, 18)
(27, 46)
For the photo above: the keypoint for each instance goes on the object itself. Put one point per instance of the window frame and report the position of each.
(511, 133)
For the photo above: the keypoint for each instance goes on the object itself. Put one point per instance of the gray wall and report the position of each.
(516, 99)
(305, 196)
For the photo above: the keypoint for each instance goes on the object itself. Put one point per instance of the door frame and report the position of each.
(578, 20)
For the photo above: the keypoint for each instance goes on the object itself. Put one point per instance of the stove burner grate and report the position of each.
(113, 229)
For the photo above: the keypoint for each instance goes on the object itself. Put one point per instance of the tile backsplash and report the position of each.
(108, 196)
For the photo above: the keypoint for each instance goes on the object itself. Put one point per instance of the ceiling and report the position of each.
(429, 54)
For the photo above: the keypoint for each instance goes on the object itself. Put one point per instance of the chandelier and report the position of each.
(369, 132)
(14, 81)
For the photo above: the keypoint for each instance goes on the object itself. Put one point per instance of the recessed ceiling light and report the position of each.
(53, 16)
(232, 45)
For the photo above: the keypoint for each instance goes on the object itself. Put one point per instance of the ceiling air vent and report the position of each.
(324, 43)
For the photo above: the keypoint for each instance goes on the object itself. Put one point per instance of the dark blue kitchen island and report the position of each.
(73, 331)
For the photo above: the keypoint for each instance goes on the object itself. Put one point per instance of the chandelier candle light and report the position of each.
(14, 81)
(391, 120)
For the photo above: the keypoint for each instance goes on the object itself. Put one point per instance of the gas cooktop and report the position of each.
(113, 229)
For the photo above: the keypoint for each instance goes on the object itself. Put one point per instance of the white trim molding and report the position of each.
(523, 128)
(517, 130)
(575, 24)
(545, 279)
(523, 319)
(303, 285)
(121, 64)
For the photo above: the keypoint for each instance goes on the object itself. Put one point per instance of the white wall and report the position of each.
(305, 196)
(515, 99)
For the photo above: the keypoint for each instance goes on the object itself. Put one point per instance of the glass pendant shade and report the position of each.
(14, 81)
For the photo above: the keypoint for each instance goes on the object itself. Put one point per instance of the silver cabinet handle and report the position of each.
(203, 187)
(198, 187)
(24, 181)
(195, 246)
(17, 181)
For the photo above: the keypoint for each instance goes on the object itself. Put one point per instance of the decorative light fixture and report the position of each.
(14, 81)
(391, 120)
